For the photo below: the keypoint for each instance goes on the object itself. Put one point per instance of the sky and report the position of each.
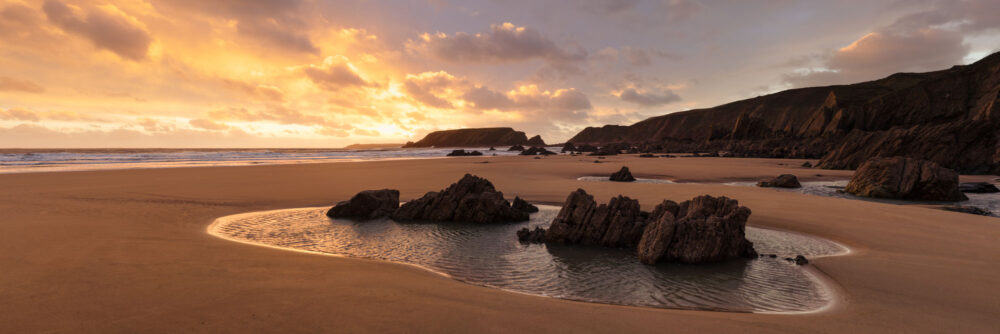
(317, 73)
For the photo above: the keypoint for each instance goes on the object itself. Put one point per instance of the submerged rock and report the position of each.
(622, 175)
(782, 181)
(531, 236)
(367, 205)
(905, 178)
(472, 199)
(703, 229)
(463, 153)
(968, 209)
(798, 260)
(978, 188)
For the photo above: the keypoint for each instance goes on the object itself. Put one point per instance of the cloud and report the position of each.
(107, 27)
(335, 73)
(202, 123)
(18, 114)
(528, 98)
(425, 88)
(27, 86)
(503, 43)
(259, 91)
(277, 23)
(648, 99)
(917, 42)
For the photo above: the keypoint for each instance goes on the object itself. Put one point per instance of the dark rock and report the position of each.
(807, 164)
(538, 158)
(622, 175)
(493, 148)
(582, 222)
(522, 205)
(597, 161)
(782, 181)
(978, 188)
(367, 205)
(516, 148)
(534, 150)
(568, 147)
(471, 138)
(536, 141)
(471, 199)
(799, 260)
(647, 155)
(968, 209)
(905, 178)
(525, 235)
(463, 153)
(704, 229)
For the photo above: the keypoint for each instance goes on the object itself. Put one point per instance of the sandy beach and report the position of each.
(127, 251)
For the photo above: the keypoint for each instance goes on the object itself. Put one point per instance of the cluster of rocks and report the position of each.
(703, 229)
(905, 178)
(464, 153)
(515, 148)
(622, 175)
(782, 181)
(537, 150)
(471, 199)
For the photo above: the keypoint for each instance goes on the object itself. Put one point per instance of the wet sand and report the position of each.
(127, 251)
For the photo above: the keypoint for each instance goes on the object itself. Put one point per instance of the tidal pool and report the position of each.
(490, 255)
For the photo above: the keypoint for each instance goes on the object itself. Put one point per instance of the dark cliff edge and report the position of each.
(479, 137)
(950, 117)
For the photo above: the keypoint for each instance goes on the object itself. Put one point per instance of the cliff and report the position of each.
(480, 137)
(949, 117)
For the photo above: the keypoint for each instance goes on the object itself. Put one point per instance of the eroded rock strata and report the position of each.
(367, 205)
(704, 229)
(472, 199)
(905, 178)
(950, 117)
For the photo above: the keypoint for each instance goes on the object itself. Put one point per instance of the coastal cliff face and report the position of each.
(949, 117)
(480, 137)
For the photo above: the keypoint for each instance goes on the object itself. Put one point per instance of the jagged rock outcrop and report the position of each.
(704, 229)
(526, 235)
(978, 188)
(905, 178)
(622, 175)
(782, 181)
(568, 147)
(472, 199)
(535, 150)
(464, 153)
(480, 137)
(522, 205)
(515, 148)
(582, 222)
(949, 117)
(367, 205)
(536, 141)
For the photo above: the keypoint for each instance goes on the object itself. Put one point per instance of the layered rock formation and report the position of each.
(536, 141)
(367, 205)
(622, 175)
(782, 181)
(704, 229)
(481, 137)
(472, 199)
(464, 153)
(949, 117)
(905, 178)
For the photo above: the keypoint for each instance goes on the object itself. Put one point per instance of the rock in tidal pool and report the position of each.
(782, 181)
(367, 205)
(905, 178)
(522, 205)
(978, 188)
(622, 175)
(704, 229)
(535, 236)
(472, 199)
